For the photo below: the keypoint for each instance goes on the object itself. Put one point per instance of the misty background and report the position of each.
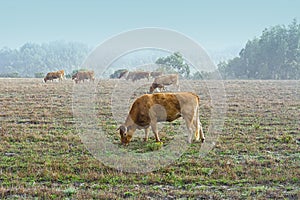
(275, 54)
(245, 40)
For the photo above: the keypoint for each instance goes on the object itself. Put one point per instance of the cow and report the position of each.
(82, 75)
(162, 81)
(137, 75)
(149, 109)
(54, 75)
(122, 74)
(62, 73)
(155, 74)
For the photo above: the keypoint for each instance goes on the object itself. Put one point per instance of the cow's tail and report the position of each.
(197, 119)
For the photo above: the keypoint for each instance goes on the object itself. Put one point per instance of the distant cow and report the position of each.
(165, 80)
(62, 72)
(54, 75)
(82, 75)
(155, 74)
(123, 73)
(149, 109)
(137, 75)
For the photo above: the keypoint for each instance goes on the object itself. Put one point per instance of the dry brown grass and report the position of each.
(256, 155)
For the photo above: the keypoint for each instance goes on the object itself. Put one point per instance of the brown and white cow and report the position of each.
(82, 75)
(165, 80)
(149, 109)
(55, 75)
(137, 75)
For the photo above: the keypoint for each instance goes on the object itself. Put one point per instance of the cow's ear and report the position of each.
(122, 129)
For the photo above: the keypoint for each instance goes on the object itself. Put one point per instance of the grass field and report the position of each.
(256, 156)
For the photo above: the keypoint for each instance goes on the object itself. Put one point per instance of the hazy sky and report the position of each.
(213, 24)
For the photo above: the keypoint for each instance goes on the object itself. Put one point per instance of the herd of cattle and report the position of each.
(160, 80)
(149, 109)
(159, 83)
(77, 77)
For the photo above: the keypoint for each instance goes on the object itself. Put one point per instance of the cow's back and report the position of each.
(166, 79)
(162, 106)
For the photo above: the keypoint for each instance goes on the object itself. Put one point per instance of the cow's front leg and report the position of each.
(154, 129)
(146, 134)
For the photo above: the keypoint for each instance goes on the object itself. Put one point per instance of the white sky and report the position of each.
(215, 25)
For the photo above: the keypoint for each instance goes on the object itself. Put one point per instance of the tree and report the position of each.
(31, 58)
(174, 62)
(273, 55)
(39, 75)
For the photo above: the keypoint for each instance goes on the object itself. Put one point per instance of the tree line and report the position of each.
(35, 60)
(273, 55)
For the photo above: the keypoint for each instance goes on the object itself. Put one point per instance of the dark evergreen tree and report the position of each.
(274, 55)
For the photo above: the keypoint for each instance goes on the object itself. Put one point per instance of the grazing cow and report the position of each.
(82, 75)
(162, 81)
(137, 75)
(155, 74)
(54, 75)
(149, 109)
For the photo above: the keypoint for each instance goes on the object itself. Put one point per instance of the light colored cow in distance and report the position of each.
(149, 109)
(137, 75)
(165, 80)
(55, 75)
(82, 75)
(156, 74)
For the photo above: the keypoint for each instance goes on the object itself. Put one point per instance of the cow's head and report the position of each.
(126, 134)
(156, 85)
(151, 89)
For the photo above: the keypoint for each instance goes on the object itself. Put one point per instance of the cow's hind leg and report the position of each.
(198, 126)
(189, 124)
(199, 129)
(197, 123)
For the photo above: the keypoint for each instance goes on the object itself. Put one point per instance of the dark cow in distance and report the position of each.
(54, 75)
(83, 75)
(149, 109)
(123, 73)
(135, 75)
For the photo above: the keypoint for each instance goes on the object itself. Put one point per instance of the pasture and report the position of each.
(257, 154)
